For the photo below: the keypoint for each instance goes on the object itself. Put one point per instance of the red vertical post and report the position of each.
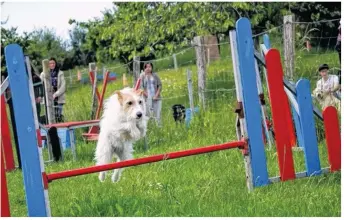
(332, 134)
(103, 93)
(279, 104)
(6, 137)
(5, 204)
(95, 129)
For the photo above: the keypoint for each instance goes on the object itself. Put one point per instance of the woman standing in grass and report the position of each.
(58, 85)
(152, 86)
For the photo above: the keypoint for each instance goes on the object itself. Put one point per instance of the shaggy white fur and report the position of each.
(124, 121)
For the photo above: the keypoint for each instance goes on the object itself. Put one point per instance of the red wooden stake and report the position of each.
(332, 134)
(279, 104)
(5, 205)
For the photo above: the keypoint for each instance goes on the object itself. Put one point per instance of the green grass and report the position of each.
(210, 185)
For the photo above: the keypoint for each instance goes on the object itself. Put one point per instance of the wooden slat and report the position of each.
(304, 100)
(279, 104)
(332, 134)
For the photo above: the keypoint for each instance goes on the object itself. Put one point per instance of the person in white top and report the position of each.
(326, 88)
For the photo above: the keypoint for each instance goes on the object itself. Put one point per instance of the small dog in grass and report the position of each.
(178, 113)
(124, 121)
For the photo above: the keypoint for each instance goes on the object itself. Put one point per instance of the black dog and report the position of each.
(178, 113)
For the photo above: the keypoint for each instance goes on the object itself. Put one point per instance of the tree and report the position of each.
(81, 55)
(38, 45)
(323, 33)
(154, 29)
(10, 36)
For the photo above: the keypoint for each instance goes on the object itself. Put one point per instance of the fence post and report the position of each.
(70, 78)
(289, 44)
(93, 71)
(190, 90)
(136, 69)
(175, 61)
(200, 55)
(48, 91)
(208, 56)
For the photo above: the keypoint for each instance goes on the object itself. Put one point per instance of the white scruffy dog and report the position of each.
(124, 121)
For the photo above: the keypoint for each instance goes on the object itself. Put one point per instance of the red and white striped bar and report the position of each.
(144, 160)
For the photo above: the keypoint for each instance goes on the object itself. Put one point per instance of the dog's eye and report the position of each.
(140, 102)
(130, 103)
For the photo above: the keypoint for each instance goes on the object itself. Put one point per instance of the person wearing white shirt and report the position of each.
(326, 88)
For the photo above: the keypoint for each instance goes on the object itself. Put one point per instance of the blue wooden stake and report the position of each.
(37, 203)
(304, 100)
(251, 102)
(266, 41)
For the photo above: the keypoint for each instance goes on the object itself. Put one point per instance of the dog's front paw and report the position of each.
(143, 133)
(115, 177)
(142, 126)
(142, 130)
(101, 176)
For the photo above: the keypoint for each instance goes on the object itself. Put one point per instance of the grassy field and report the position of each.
(211, 185)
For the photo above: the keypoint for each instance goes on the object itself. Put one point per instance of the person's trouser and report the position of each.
(154, 110)
(330, 100)
(58, 112)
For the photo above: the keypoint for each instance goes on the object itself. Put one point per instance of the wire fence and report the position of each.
(220, 87)
(312, 47)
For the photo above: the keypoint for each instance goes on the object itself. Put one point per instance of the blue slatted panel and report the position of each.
(25, 125)
(251, 102)
(266, 41)
(304, 100)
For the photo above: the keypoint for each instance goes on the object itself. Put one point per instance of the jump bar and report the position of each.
(74, 124)
(144, 160)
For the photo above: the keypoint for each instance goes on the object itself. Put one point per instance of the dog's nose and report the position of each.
(139, 114)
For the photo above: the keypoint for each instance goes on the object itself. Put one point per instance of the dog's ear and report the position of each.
(120, 97)
(139, 92)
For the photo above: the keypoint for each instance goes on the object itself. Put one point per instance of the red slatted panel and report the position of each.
(279, 104)
(332, 134)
